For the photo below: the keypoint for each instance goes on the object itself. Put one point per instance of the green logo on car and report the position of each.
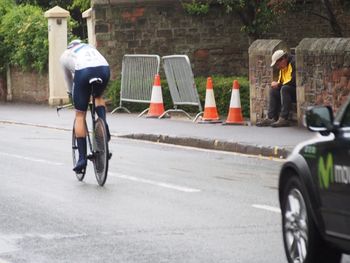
(325, 171)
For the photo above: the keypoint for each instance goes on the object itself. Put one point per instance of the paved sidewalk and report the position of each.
(271, 142)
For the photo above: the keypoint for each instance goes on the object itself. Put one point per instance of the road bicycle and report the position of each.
(97, 140)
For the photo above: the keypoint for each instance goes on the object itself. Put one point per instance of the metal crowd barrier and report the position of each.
(138, 73)
(181, 83)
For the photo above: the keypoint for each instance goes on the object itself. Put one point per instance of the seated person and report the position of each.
(282, 93)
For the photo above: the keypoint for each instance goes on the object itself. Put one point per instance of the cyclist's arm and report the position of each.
(67, 63)
(68, 77)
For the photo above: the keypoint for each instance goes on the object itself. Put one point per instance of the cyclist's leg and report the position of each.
(81, 97)
(104, 73)
(80, 133)
(101, 112)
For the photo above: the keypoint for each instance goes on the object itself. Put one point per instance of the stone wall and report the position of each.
(323, 72)
(3, 89)
(29, 87)
(214, 42)
(261, 74)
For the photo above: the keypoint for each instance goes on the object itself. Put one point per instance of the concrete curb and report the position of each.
(210, 144)
(266, 151)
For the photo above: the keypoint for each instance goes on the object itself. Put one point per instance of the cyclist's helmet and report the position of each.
(73, 43)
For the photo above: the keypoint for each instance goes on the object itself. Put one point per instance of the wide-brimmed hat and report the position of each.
(277, 55)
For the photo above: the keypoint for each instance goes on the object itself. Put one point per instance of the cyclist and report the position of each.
(80, 63)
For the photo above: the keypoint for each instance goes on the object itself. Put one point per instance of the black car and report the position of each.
(314, 190)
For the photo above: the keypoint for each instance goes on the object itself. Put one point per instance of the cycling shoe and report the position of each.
(80, 166)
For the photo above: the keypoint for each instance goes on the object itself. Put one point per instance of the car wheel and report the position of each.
(302, 242)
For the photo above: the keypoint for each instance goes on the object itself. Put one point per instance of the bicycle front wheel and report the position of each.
(101, 152)
(75, 155)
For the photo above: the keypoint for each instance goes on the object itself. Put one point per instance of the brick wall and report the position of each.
(3, 89)
(323, 72)
(29, 87)
(214, 43)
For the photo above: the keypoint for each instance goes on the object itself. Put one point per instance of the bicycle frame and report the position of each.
(97, 143)
(93, 121)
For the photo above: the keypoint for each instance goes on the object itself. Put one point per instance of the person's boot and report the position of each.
(282, 122)
(265, 122)
(82, 162)
(101, 112)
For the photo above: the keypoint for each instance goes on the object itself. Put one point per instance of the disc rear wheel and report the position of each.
(101, 152)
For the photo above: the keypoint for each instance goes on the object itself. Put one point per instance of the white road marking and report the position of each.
(268, 208)
(160, 184)
(30, 159)
(8, 243)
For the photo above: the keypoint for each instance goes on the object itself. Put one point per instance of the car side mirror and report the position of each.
(319, 119)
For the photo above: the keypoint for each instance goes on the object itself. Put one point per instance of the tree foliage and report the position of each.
(75, 7)
(82, 5)
(24, 33)
(257, 16)
(196, 8)
(5, 6)
(330, 10)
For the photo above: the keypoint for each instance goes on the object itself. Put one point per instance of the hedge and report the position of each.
(222, 91)
(23, 30)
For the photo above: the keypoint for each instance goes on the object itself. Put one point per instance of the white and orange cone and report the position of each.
(235, 116)
(156, 107)
(210, 114)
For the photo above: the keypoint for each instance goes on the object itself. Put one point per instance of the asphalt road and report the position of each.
(161, 203)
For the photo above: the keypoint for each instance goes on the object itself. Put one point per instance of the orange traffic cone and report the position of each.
(210, 114)
(156, 107)
(235, 112)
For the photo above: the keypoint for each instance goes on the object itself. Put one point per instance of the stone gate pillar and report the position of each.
(57, 27)
(90, 26)
(323, 72)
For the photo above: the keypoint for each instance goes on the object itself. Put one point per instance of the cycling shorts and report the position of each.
(82, 88)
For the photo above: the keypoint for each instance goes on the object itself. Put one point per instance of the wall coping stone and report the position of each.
(56, 12)
(324, 45)
(130, 2)
(264, 46)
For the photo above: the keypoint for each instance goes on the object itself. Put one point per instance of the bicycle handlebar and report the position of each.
(58, 108)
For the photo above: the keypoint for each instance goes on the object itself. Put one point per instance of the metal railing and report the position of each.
(181, 83)
(138, 73)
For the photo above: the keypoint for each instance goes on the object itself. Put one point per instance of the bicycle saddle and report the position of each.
(95, 80)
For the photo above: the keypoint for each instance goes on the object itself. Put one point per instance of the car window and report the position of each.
(345, 121)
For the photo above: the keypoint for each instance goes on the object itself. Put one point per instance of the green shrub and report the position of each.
(5, 7)
(196, 8)
(25, 42)
(222, 91)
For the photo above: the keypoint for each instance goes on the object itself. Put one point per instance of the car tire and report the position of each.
(302, 241)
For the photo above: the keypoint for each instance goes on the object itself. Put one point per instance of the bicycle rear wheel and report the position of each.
(75, 154)
(101, 152)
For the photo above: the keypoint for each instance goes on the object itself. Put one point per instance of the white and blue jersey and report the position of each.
(81, 63)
